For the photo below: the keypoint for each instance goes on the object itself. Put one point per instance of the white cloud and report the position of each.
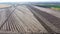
(29, 0)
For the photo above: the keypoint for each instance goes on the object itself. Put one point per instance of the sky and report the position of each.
(29, 0)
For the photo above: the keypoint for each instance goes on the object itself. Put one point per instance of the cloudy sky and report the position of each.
(29, 0)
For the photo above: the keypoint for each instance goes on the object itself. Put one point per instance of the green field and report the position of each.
(55, 7)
